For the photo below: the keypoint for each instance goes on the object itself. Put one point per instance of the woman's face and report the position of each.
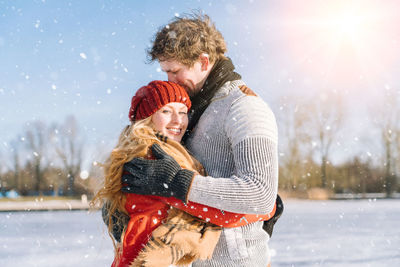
(171, 120)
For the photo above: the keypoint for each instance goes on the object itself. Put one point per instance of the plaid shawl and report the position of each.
(179, 241)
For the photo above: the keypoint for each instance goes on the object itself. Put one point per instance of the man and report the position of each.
(231, 131)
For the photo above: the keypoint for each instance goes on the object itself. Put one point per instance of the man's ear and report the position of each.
(205, 61)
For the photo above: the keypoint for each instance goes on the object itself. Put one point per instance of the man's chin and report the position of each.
(191, 92)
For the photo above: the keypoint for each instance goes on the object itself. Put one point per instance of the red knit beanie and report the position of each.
(150, 98)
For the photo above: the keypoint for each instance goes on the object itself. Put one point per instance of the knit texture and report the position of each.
(222, 71)
(163, 177)
(150, 98)
(236, 141)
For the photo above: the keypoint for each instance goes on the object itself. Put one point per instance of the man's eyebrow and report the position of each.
(170, 70)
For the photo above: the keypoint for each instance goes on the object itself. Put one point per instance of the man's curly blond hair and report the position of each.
(185, 39)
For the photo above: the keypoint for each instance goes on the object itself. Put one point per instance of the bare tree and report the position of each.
(68, 147)
(397, 167)
(36, 137)
(294, 140)
(2, 181)
(16, 161)
(325, 121)
(388, 121)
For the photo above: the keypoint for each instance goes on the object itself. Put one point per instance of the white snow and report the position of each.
(309, 233)
(84, 174)
(338, 233)
(66, 238)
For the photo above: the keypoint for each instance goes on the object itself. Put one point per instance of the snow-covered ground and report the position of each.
(309, 233)
(338, 233)
(56, 238)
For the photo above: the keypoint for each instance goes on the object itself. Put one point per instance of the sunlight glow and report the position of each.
(344, 44)
(353, 25)
(349, 24)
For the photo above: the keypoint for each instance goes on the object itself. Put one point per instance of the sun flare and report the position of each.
(344, 42)
(349, 24)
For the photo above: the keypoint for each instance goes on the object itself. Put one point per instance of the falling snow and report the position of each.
(55, 66)
(84, 174)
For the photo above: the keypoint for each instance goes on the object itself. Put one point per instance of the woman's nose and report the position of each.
(176, 118)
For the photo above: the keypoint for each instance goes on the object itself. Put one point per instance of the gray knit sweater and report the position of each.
(236, 141)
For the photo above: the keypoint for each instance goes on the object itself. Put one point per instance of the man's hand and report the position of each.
(162, 176)
(268, 226)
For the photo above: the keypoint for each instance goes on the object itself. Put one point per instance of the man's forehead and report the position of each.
(167, 65)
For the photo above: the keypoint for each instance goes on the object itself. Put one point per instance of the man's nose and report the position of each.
(171, 77)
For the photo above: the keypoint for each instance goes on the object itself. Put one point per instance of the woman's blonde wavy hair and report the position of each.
(134, 141)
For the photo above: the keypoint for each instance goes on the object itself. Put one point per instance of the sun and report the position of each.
(343, 43)
(349, 24)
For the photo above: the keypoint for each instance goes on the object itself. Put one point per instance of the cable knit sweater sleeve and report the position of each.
(251, 129)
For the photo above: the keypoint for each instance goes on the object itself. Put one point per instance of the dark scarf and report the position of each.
(221, 72)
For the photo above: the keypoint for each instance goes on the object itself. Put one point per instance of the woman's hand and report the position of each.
(161, 177)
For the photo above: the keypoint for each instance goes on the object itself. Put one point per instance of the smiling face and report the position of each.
(171, 120)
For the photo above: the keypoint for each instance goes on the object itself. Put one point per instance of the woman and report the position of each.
(156, 234)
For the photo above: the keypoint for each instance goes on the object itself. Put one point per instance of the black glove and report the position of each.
(268, 226)
(162, 176)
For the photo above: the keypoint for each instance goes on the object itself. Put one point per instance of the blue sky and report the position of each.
(87, 58)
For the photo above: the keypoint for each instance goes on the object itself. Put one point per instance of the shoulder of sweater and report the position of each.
(229, 88)
(234, 91)
(240, 96)
(249, 116)
(249, 102)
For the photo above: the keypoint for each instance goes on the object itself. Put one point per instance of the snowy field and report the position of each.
(310, 233)
(338, 233)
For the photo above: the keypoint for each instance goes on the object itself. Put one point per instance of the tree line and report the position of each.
(313, 130)
(47, 159)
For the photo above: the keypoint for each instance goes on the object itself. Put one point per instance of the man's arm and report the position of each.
(216, 216)
(252, 132)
